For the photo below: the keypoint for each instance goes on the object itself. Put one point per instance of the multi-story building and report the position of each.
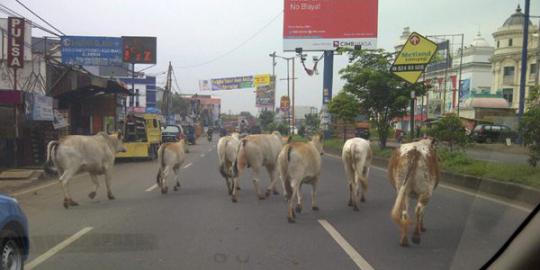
(506, 61)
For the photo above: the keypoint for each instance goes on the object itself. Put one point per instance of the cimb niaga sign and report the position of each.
(15, 49)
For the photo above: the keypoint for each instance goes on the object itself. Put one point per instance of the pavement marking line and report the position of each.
(30, 190)
(51, 252)
(188, 165)
(355, 256)
(524, 209)
(202, 155)
(154, 186)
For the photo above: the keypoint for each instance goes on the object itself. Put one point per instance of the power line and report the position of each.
(11, 12)
(35, 14)
(235, 48)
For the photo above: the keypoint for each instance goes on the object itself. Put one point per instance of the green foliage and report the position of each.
(530, 126)
(312, 123)
(266, 119)
(450, 130)
(282, 127)
(382, 95)
(344, 106)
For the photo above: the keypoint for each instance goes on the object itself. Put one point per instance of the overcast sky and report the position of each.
(190, 33)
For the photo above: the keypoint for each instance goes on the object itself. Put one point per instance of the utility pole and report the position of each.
(293, 116)
(273, 55)
(523, 76)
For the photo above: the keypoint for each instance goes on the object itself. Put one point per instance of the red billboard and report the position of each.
(318, 25)
(15, 48)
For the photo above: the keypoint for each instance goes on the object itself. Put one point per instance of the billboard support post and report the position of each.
(293, 116)
(411, 120)
(523, 77)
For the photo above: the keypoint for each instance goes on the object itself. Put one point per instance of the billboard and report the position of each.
(411, 61)
(15, 46)
(139, 50)
(232, 83)
(38, 107)
(265, 96)
(91, 51)
(284, 103)
(319, 25)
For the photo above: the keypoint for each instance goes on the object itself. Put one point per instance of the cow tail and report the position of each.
(222, 158)
(397, 211)
(241, 158)
(49, 165)
(283, 163)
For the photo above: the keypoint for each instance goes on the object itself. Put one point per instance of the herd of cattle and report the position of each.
(413, 169)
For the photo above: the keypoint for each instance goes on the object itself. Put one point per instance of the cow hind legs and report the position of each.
(69, 202)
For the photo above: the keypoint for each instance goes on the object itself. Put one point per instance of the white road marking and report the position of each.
(34, 189)
(154, 186)
(51, 252)
(188, 165)
(202, 155)
(473, 194)
(355, 256)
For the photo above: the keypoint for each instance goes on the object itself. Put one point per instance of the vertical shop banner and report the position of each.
(319, 25)
(465, 90)
(15, 40)
(60, 119)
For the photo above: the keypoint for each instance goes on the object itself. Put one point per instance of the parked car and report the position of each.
(490, 133)
(14, 244)
(172, 133)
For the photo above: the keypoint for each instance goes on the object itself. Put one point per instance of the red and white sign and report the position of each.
(317, 25)
(15, 48)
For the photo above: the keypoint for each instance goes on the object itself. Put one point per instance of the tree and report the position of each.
(382, 95)
(266, 118)
(345, 107)
(312, 123)
(529, 126)
(450, 129)
(180, 105)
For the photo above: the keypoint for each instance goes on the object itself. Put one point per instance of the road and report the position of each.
(200, 228)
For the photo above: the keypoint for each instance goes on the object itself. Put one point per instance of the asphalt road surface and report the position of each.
(199, 227)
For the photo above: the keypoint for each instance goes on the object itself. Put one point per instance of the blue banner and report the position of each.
(91, 51)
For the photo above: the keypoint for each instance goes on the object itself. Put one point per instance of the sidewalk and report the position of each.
(13, 180)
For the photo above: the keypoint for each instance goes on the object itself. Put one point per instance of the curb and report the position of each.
(510, 191)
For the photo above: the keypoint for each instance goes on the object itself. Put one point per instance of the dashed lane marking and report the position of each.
(154, 186)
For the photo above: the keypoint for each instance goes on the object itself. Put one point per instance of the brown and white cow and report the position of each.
(414, 172)
(258, 151)
(356, 156)
(171, 156)
(76, 153)
(227, 149)
(300, 163)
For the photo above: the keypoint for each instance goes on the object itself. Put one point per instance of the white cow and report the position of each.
(76, 153)
(258, 151)
(300, 163)
(171, 156)
(356, 158)
(228, 148)
(414, 172)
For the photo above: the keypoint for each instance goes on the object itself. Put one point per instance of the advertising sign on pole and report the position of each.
(139, 50)
(91, 51)
(284, 103)
(320, 25)
(265, 95)
(414, 57)
(232, 83)
(15, 46)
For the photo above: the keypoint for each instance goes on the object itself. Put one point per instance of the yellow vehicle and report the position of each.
(142, 136)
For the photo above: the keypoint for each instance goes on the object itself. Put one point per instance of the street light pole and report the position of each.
(523, 76)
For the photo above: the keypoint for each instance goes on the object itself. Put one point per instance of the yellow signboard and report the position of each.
(414, 57)
(261, 79)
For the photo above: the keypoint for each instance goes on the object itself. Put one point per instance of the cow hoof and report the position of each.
(73, 203)
(350, 203)
(237, 188)
(363, 199)
(66, 205)
(416, 238)
(262, 198)
(267, 193)
(315, 208)
(92, 195)
(299, 209)
(234, 200)
(404, 243)
(290, 220)
(110, 196)
(230, 192)
(355, 208)
(175, 188)
(422, 229)
(275, 192)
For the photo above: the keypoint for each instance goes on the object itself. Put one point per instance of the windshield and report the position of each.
(257, 134)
